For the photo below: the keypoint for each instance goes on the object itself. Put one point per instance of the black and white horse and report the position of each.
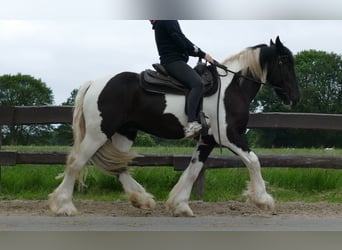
(109, 112)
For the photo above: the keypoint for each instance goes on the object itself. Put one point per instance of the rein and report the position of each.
(221, 66)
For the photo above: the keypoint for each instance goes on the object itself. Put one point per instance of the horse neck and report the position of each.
(247, 63)
(249, 88)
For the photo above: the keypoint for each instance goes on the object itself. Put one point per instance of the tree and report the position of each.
(63, 133)
(71, 100)
(320, 75)
(320, 78)
(24, 90)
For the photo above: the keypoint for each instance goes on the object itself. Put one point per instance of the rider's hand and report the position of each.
(209, 58)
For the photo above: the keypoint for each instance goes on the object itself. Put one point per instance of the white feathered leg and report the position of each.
(178, 201)
(135, 192)
(60, 201)
(256, 189)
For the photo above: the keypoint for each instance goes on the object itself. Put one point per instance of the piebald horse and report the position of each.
(109, 112)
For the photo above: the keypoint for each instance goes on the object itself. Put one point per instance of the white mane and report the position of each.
(248, 59)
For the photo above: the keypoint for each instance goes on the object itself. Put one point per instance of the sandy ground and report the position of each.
(200, 208)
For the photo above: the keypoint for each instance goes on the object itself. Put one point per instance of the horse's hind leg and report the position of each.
(135, 192)
(60, 201)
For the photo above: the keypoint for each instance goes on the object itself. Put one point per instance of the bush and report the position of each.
(144, 140)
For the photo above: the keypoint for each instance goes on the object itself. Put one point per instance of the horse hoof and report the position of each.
(268, 203)
(181, 210)
(183, 214)
(67, 210)
(145, 203)
(61, 206)
(265, 202)
(264, 206)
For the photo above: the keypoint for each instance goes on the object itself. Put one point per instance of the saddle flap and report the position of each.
(156, 78)
(155, 82)
(159, 81)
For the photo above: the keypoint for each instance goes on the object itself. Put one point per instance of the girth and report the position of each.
(158, 80)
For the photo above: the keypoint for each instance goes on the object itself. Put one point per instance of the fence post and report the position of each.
(199, 185)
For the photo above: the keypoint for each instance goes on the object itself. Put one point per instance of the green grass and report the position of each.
(285, 184)
(28, 181)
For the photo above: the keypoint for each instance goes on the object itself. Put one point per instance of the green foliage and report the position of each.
(63, 135)
(144, 140)
(24, 90)
(320, 79)
(71, 99)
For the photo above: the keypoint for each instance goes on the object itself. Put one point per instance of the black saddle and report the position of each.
(159, 81)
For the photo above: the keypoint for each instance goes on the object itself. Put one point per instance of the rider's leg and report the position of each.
(189, 77)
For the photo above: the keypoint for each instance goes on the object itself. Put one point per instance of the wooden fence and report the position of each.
(63, 114)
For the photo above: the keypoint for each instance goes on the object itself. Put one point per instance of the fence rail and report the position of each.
(27, 115)
(179, 162)
(20, 115)
(24, 115)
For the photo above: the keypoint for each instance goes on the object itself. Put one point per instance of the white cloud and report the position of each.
(65, 53)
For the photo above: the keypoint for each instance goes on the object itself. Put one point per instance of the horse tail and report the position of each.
(107, 158)
(78, 121)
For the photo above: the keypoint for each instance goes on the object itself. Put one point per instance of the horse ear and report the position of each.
(279, 44)
(271, 43)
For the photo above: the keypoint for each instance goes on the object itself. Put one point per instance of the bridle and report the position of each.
(279, 63)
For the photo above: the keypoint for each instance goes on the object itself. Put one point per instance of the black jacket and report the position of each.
(172, 44)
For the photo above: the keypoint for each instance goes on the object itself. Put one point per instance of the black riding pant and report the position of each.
(181, 71)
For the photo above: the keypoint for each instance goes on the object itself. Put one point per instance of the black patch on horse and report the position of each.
(123, 104)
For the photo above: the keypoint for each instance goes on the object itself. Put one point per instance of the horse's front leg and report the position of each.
(256, 189)
(178, 201)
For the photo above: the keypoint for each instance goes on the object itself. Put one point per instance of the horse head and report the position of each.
(281, 74)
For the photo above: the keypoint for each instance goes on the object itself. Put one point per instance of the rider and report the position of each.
(174, 50)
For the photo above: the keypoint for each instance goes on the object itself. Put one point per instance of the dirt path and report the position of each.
(124, 209)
